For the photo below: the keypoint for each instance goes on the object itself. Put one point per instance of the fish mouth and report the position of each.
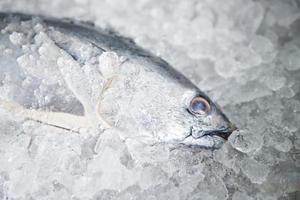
(209, 139)
(222, 132)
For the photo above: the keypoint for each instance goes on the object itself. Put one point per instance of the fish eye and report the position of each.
(199, 106)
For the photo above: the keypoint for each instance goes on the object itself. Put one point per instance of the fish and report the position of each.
(117, 84)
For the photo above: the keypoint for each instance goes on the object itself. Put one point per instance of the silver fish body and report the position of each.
(109, 81)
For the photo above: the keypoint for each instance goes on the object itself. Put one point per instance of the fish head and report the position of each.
(209, 126)
(156, 102)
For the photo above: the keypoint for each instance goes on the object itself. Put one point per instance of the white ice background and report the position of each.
(243, 54)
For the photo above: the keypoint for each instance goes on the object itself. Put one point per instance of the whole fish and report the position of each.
(108, 81)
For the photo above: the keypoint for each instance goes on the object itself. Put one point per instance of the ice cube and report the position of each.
(241, 196)
(246, 58)
(275, 79)
(289, 57)
(255, 171)
(279, 141)
(297, 143)
(226, 67)
(285, 13)
(212, 188)
(246, 141)
(17, 38)
(264, 48)
(228, 157)
(152, 176)
(250, 16)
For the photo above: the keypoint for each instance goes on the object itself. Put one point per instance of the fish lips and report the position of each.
(222, 132)
(208, 139)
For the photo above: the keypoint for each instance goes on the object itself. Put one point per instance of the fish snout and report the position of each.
(223, 132)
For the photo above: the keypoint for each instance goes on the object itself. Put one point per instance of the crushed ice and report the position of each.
(245, 54)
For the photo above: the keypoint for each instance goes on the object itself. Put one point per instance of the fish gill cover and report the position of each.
(244, 55)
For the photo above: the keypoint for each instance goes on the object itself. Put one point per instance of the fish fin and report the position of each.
(61, 120)
(76, 81)
(87, 88)
(81, 88)
(109, 66)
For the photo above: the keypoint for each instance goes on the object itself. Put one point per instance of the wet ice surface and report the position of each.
(245, 55)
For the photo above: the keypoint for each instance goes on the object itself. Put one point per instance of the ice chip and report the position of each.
(250, 16)
(241, 196)
(109, 63)
(264, 48)
(289, 57)
(255, 171)
(212, 188)
(246, 58)
(246, 141)
(16, 38)
(152, 176)
(275, 80)
(226, 68)
(228, 157)
(280, 142)
(285, 13)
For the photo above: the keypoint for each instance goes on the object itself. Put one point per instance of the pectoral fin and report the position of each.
(61, 120)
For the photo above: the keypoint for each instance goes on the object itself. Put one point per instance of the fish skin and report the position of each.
(132, 90)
